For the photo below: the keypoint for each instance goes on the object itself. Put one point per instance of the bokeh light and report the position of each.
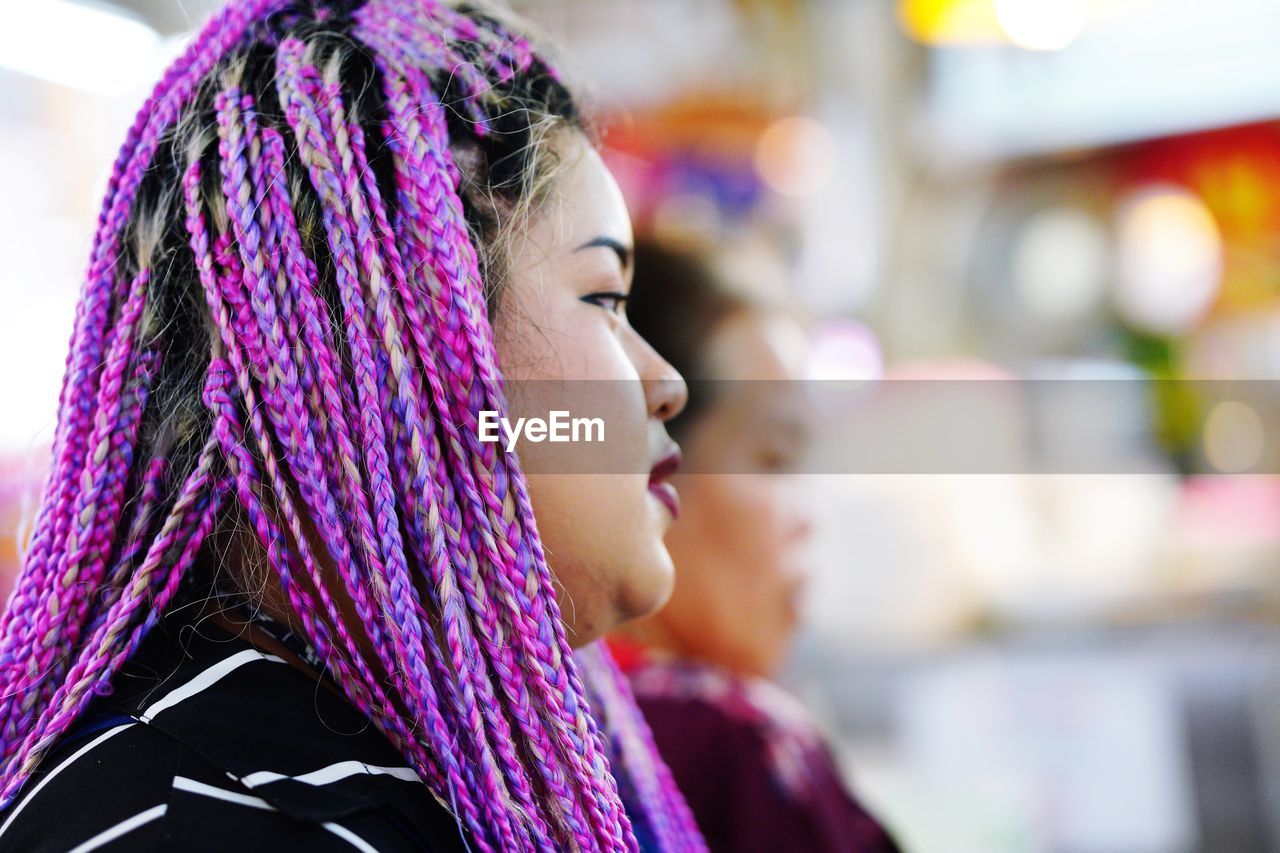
(844, 350)
(1042, 24)
(1234, 437)
(1170, 260)
(1059, 264)
(795, 156)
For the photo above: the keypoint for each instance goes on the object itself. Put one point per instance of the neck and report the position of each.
(654, 635)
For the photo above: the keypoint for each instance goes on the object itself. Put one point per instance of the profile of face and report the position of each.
(561, 316)
(737, 543)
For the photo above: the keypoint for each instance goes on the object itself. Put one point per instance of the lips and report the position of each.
(662, 490)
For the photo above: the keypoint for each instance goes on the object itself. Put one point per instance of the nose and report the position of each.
(667, 397)
(802, 527)
(665, 391)
(798, 512)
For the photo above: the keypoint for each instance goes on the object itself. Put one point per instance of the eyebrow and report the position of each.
(602, 242)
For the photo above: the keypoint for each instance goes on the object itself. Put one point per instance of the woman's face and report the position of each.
(736, 546)
(560, 328)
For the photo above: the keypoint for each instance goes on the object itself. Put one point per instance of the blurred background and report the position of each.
(1055, 189)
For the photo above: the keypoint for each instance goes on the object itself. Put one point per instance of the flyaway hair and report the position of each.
(283, 339)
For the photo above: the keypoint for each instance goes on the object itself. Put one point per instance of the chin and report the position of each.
(638, 590)
(647, 588)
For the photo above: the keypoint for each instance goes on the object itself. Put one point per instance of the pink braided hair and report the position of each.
(284, 322)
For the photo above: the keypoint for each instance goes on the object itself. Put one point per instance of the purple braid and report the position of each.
(425, 477)
(409, 632)
(154, 581)
(92, 311)
(318, 346)
(57, 631)
(284, 330)
(434, 198)
(462, 323)
(502, 656)
(228, 429)
(633, 747)
(443, 519)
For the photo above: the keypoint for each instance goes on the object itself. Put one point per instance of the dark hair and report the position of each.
(677, 303)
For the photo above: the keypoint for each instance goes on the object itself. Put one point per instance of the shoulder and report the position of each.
(130, 787)
(208, 743)
(719, 730)
(754, 769)
(733, 707)
(748, 699)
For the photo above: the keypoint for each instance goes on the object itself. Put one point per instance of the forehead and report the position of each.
(758, 344)
(585, 201)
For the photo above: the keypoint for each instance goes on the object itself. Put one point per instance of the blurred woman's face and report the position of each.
(736, 545)
(561, 317)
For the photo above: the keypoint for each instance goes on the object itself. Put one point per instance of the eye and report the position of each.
(610, 300)
(777, 459)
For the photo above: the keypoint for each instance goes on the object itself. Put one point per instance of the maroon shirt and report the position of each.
(752, 766)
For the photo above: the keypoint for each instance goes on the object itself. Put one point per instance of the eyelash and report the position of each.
(619, 300)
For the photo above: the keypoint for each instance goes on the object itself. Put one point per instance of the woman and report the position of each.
(279, 594)
(751, 764)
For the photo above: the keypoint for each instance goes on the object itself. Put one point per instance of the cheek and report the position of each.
(601, 530)
(604, 545)
(737, 582)
(553, 335)
(748, 520)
